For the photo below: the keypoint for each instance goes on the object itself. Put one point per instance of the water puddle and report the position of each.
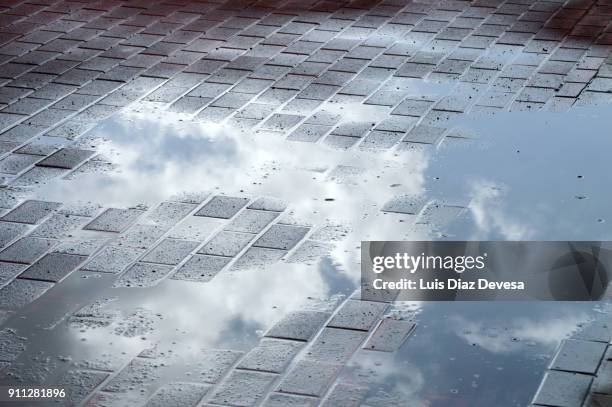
(524, 176)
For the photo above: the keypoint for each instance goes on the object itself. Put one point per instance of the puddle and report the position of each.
(526, 176)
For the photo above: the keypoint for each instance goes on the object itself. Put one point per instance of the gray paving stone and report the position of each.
(603, 381)
(212, 364)
(178, 394)
(201, 268)
(408, 204)
(269, 204)
(113, 259)
(114, 220)
(15, 163)
(31, 212)
(169, 213)
(335, 345)
(67, 158)
(251, 221)
(79, 383)
(310, 252)
(309, 378)
(10, 231)
(243, 388)
(19, 293)
(26, 250)
(271, 355)
(283, 237)
(298, 325)
(345, 395)
(53, 267)
(223, 207)
(143, 275)
(257, 257)
(579, 356)
(140, 236)
(138, 374)
(563, 389)
(389, 335)
(170, 251)
(599, 400)
(59, 225)
(289, 400)
(227, 244)
(8, 271)
(80, 246)
(358, 314)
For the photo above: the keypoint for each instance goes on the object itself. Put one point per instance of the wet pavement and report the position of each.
(186, 186)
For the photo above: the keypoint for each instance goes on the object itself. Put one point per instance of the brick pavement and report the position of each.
(263, 66)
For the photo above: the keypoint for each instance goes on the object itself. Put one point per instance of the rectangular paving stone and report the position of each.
(113, 259)
(298, 325)
(603, 381)
(169, 213)
(227, 244)
(31, 212)
(182, 394)
(201, 268)
(345, 395)
(212, 364)
(251, 221)
(257, 257)
(271, 355)
(67, 158)
(335, 345)
(268, 204)
(138, 374)
(10, 231)
(170, 251)
(19, 293)
(223, 207)
(8, 271)
(408, 204)
(310, 378)
(59, 225)
(283, 237)
(563, 389)
(143, 275)
(140, 236)
(579, 356)
(80, 383)
(114, 220)
(53, 267)
(358, 314)
(243, 388)
(389, 335)
(26, 250)
(289, 400)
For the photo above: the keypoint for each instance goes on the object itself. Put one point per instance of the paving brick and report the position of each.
(143, 275)
(138, 374)
(140, 236)
(223, 207)
(53, 267)
(201, 268)
(335, 345)
(67, 158)
(268, 204)
(170, 251)
(271, 355)
(257, 257)
(10, 231)
(563, 389)
(309, 378)
(283, 237)
(407, 204)
(26, 250)
(80, 383)
(603, 381)
(114, 220)
(31, 212)
(112, 259)
(579, 356)
(345, 395)
(8, 271)
(360, 315)
(389, 335)
(19, 293)
(289, 400)
(298, 325)
(212, 364)
(59, 225)
(251, 221)
(243, 388)
(227, 244)
(178, 393)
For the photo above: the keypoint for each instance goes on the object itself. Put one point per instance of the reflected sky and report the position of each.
(525, 176)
